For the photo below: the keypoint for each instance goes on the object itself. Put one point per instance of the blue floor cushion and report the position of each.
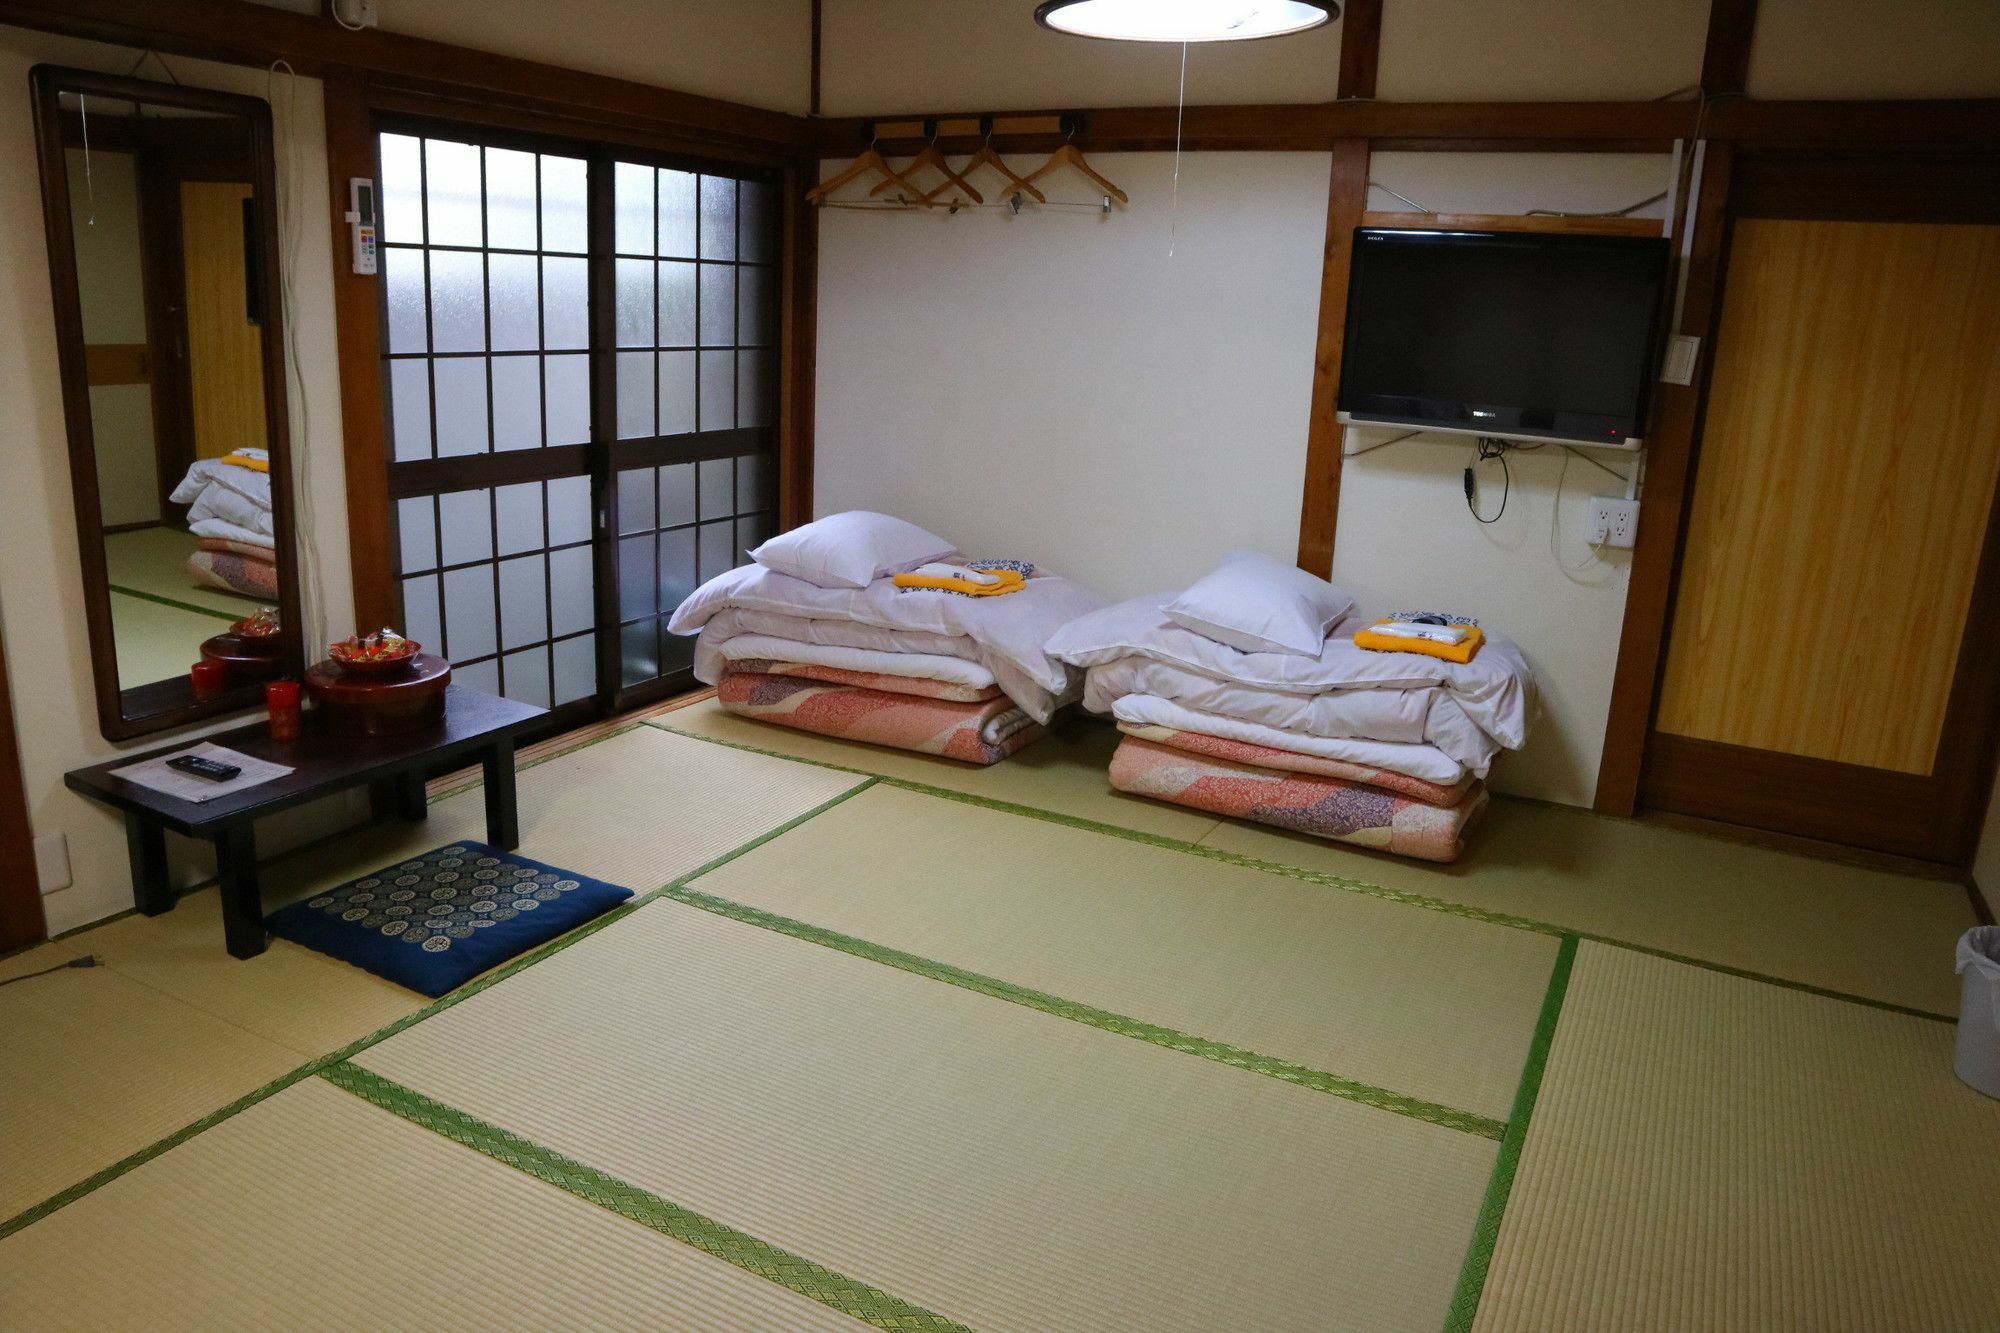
(437, 920)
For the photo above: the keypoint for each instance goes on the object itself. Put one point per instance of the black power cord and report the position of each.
(1490, 448)
(88, 960)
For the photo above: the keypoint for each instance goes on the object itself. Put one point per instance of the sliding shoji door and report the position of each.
(580, 372)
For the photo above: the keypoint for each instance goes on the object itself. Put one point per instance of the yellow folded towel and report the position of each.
(1462, 651)
(1007, 581)
(251, 461)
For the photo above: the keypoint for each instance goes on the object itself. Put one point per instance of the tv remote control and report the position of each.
(196, 766)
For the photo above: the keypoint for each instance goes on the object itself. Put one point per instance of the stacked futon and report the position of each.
(1249, 696)
(230, 514)
(868, 628)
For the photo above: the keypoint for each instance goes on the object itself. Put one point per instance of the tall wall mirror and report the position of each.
(160, 205)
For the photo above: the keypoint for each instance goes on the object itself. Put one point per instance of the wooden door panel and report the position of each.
(225, 350)
(1848, 462)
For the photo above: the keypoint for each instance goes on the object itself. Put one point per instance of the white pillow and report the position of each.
(1261, 605)
(850, 550)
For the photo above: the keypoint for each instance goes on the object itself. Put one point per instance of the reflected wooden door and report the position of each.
(225, 347)
(1829, 670)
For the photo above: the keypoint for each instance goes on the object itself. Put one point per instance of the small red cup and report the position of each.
(210, 678)
(281, 697)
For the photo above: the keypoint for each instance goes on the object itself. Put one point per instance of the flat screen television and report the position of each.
(1517, 335)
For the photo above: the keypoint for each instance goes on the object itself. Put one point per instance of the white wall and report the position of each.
(1057, 386)
(1539, 50)
(104, 220)
(41, 593)
(880, 57)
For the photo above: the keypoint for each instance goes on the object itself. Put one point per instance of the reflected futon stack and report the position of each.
(818, 636)
(1270, 711)
(229, 512)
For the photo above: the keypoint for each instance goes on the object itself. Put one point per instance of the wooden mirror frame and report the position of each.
(166, 704)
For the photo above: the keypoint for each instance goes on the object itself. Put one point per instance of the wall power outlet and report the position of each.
(1611, 521)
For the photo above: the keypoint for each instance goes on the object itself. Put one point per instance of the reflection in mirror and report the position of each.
(175, 329)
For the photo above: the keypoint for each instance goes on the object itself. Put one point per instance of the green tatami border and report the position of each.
(189, 607)
(870, 1305)
(89, 1184)
(1237, 1057)
(1486, 1232)
(1320, 877)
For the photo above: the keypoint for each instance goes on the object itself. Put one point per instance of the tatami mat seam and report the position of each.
(91, 1183)
(1486, 1231)
(1237, 1057)
(1325, 879)
(869, 1304)
(191, 608)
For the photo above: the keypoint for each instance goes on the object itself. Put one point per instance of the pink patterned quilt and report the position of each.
(984, 732)
(1325, 807)
(234, 573)
(919, 687)
(1263, 756)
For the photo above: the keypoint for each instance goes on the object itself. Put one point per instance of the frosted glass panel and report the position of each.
(416, 531)
(451, 186)
(572, 590)
(461, 405)
(517, 402)
(677, 370)
(635, 303)
(639, 652)
(410, 409)
(753, 306)
(481, 676)
(718, 390)
(677, 304)
(565, 205)
(635, 395)
(635, 500)
(576, 669)
(402, 203)
(717, 548)
(677, 568)
(465, 521)
(510, 199)
(753, 389)
(676, 652)
(635, 577)
(718, 487)
(514, 301)
(757, 207)
(718, 305)
(517, 512)
(753, 487)
(468, 612)
(524, 609)
(565, 304)
(677, 495)
(677, 204)
(634, 200)
(458, 302)
(420, 612)
(526, 676)
(569, 510)
(751, 530)
(718, 217)
(566, 383)
(403, 294)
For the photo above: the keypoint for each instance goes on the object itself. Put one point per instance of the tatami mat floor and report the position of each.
(930, 1046)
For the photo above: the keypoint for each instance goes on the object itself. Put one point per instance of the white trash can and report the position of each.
(1979, 1009)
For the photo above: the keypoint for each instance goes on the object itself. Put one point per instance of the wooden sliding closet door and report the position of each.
(1831, 668)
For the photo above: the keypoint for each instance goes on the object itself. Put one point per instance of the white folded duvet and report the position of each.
(1002, 634)
(1417, 761)
(765, 647)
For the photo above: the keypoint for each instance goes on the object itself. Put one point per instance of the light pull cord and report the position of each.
(1180, 114)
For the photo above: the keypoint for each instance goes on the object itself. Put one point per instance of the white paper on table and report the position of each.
(155, 775)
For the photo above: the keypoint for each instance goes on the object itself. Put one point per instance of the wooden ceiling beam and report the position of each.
(251, 34)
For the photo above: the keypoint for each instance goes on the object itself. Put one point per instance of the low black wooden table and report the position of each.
(476, 726)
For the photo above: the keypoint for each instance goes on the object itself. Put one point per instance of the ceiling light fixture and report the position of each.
(1184, 20)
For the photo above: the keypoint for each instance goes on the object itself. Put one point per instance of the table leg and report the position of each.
(146, 842)
(242, 900)
(403, 796)
(503, 828)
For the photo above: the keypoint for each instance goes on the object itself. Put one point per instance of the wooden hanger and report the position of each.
(931, 157)
(1070, 156)
(986, 157)
(870, 160)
